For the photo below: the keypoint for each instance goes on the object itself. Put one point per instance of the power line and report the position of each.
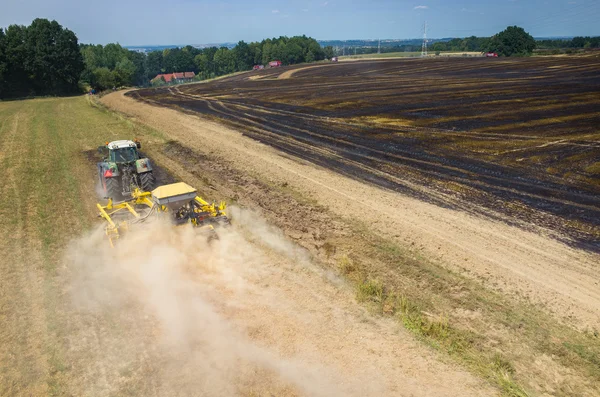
(424, 46)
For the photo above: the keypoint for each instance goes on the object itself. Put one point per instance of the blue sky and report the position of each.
(145, 22)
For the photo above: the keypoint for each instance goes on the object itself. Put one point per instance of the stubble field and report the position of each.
(515, 139)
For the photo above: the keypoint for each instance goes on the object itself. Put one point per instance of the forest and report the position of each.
(45, 58)
(113, 65)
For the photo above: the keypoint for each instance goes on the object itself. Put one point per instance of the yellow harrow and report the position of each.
(177, 201)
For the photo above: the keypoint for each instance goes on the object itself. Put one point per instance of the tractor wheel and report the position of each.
(147, 181)
(112, 188)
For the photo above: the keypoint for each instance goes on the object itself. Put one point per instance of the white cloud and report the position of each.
(275, 11)
(325, 4)
(421, 7)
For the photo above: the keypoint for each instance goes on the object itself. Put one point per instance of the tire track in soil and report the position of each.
(551, 202)
(510, 259)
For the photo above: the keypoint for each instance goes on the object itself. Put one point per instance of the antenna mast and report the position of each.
(424, 46)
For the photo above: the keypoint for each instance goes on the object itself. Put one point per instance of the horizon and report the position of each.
(180, 45)
(230, 21)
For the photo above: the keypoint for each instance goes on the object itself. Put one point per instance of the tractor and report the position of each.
(124, 170)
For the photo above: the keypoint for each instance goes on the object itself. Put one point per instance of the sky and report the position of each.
(178, 22)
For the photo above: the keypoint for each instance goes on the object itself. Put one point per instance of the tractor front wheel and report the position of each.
(147, 181)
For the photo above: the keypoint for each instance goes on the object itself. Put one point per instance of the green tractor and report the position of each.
(124, 170)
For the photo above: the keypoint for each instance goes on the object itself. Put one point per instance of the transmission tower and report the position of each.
(424, 46)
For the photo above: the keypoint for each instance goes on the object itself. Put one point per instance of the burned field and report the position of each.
(513, 139)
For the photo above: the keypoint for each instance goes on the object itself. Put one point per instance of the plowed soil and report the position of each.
(515, 140)
(508, 253)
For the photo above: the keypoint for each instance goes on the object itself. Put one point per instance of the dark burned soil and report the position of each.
(512, 139)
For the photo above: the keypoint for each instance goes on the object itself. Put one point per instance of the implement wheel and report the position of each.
(147, 181)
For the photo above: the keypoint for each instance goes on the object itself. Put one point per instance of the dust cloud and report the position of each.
(171, 301)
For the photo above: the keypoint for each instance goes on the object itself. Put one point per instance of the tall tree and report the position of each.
(41, 59)
(513, 41)
(154, 64)
(224, 60)
(139, 62)
(124, 72)
(203, 64)
(244, 57)
(256, 51)
(17, 80)
(3, 63)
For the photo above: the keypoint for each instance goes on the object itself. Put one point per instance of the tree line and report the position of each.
(512, 42)
(46, 59)
(114, 66)
(40, 59)
(212, 62)
(575, 42)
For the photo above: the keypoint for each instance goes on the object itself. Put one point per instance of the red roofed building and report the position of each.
(177, 77)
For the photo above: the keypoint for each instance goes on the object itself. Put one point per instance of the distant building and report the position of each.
(173, 78)
(274, 64)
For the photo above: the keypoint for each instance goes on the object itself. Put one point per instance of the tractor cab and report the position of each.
(123, 151)
(123, 155)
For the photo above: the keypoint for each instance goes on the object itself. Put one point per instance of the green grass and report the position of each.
(394, 281)
(49, 199)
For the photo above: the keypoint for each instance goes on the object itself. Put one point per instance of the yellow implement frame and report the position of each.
(198, 212)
